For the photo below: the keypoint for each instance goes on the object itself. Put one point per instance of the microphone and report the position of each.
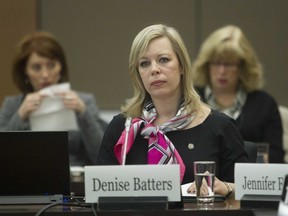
(127, 129)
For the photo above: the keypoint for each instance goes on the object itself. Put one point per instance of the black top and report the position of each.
(217, 138)
(260, 121)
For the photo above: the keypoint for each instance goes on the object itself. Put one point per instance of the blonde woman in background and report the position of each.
(229, 77)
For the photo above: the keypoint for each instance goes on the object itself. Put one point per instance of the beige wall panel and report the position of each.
(97, 35)
(17, 17)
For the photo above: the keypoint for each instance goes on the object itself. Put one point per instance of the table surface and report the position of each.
(229, 207)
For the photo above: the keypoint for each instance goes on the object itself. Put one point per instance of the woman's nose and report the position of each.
(155, 69)
(221, 68)
(45, 72)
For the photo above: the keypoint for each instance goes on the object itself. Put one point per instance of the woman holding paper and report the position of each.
(39, 64)
(170, 124)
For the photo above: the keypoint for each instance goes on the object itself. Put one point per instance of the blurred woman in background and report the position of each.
(229, 77)
(40, 62)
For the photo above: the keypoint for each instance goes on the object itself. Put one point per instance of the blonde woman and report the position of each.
(170, 125)
(229, 77)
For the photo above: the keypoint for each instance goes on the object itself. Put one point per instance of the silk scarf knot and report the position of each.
(160, 149)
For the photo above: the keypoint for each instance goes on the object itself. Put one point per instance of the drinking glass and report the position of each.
(262, 152)
(204, 174)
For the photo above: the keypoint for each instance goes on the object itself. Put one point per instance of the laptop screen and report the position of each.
(34, 163)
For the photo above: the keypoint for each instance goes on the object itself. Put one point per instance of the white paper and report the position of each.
(51, 114)
(184, 189)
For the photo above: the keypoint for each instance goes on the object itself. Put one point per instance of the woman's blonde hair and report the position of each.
(134, 105)
(229, 44)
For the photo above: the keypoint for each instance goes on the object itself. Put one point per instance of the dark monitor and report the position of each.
(34, 163)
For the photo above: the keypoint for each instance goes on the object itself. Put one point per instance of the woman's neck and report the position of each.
(166, 109)
(225, 98)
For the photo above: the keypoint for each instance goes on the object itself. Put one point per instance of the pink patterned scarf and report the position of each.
(160, 149)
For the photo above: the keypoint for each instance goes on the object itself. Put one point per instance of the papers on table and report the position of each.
(184, 189)
(191, 197)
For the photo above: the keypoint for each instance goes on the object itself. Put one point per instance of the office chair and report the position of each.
(284, 117)
(251, 149)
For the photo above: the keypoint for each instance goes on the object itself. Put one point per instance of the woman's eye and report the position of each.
(36, 67)
(51, 65)
(164, 59)
(144, 64)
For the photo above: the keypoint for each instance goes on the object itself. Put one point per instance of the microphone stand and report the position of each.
(127, 129)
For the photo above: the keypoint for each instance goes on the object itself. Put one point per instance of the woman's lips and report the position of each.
(45, 85)
(157, 83)
(222, 81)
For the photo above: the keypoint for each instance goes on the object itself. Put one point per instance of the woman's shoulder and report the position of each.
(218, 119)
(118, 118)
(260, 94)
(13, 98)
(85, 95)
(217, 115)
(260, 97)
(118, 121)
(212, 118)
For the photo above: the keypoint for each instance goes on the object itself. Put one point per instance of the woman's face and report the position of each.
(224, 75)
(159, 69)
(42, 71)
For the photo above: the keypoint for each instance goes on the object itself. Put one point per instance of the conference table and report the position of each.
(229, 207)
(78, 207)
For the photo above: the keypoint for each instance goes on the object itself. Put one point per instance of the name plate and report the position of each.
(131, 181)
(259, 179)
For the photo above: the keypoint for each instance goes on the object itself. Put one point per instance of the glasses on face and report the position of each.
(226, 65)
